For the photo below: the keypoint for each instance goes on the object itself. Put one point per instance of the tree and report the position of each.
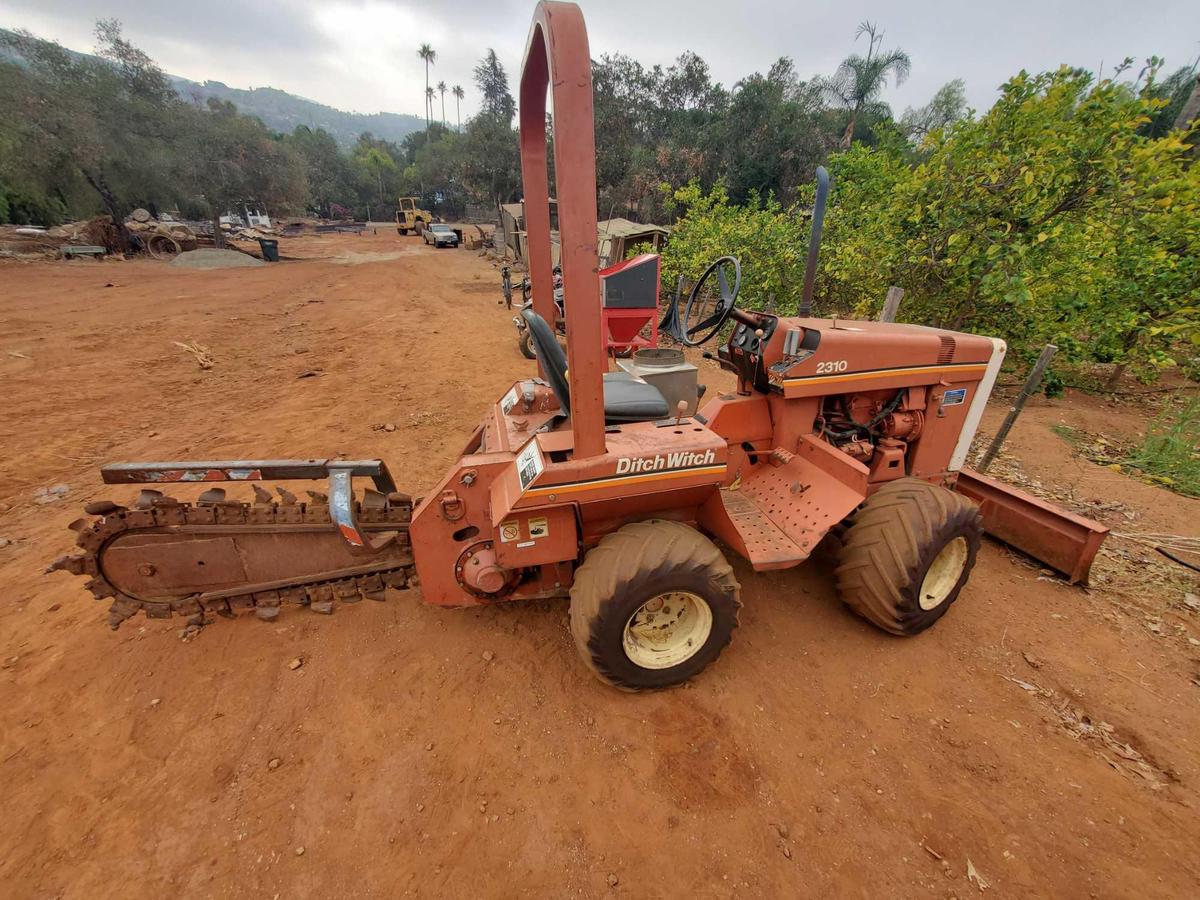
(226, 158)
(458, 96)
(859, 80)
(441, 86)
(429, 95)
(105, 120)
(492, 81)
(946, 107)
(429, 55)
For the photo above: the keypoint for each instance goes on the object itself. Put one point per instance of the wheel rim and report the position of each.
(667, 630)
(943, 573)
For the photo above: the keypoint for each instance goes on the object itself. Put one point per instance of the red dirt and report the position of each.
(818, 756)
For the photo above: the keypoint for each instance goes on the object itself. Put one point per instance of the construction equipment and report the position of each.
(410, 216)
(586, 484)
(628, 299)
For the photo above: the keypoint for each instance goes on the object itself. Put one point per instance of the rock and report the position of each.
(488, 655)
(299, 851)
(4, 542)
(389, 427)
(782, 830)
(54, 607)
(613, 880)
(296, 663)
(50, 494)
(420, 807)
(1191, 601)
(787, 851)
(1034, 661)
(429, 746)
(155, 701)
(275, 763)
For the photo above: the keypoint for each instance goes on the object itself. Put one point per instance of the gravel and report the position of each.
(212, 258)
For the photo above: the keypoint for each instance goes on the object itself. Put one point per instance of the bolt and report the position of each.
(146, 569)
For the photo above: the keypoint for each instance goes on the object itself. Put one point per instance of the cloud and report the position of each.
(361, 54)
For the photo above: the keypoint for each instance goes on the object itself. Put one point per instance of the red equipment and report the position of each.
(583, 483)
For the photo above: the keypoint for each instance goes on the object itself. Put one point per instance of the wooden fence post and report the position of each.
(1031, 385)
(891, 303)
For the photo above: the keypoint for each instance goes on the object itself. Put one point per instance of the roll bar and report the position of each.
(557, 56)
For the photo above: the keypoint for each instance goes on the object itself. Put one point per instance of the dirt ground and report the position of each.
(1041, 740)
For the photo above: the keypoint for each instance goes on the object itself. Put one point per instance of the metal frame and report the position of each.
(340, 472)
(557, 57)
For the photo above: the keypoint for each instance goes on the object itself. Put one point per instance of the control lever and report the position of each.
(720, 362)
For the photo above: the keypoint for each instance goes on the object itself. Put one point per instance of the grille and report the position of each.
(946, 350)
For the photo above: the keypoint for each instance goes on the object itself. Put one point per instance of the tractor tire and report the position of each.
(653, 604)
(403, 231)
(525, 342)
(907, 553)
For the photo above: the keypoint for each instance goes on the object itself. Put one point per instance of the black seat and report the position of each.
(625, 398)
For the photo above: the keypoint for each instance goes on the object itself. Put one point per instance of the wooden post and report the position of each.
(1031, 385)
(891, 303)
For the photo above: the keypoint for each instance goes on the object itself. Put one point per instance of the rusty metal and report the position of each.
(1062, 540)
(557, 56)
(168, 557)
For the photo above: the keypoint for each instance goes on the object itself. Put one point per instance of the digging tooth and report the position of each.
(73, 564)
(267, 613)
(318, 497)
(396, 498)
(262, 497)
(373, 499)
(80, 524)
(288, 498)
(100, 588)
(212, 496)
(147, 498)
(324, 607)
(102, 507)
(122, 608)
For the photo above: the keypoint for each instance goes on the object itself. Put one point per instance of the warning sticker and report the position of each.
(509, 401)
(529, 464)
(539, 527)
(954, 397)
(510, 530)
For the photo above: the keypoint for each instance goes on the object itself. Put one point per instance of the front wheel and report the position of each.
(907, 554)
(653, 604)
(403, 231)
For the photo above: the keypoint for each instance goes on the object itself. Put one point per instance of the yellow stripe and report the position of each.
(855, 376)
(571, 487)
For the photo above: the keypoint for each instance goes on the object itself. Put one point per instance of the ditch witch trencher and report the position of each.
(592, 485)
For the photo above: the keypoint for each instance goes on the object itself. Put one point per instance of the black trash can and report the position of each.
(270, 249)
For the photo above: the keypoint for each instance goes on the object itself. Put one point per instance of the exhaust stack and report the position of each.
(814, 242)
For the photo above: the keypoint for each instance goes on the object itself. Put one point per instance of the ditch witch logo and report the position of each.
(627, 465)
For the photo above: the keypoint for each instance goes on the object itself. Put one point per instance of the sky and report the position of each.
(361, 55)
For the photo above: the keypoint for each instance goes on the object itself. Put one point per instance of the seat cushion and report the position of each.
(628, 400)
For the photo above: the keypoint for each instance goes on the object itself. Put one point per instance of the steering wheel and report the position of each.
(708, 326)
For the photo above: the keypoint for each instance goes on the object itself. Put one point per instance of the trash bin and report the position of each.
(270, 249)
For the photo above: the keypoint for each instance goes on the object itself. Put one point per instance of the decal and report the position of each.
(525, 544)
(539, 527)
(510, 530)
(954, 397)
(509, 400)
(660, 463)
(833, 365)
(529, 464)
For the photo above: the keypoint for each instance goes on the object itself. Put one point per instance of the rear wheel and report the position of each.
(402, 230)
(907, 555)
(652, 605)
(525, 342)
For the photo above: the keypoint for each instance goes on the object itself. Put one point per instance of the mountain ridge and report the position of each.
(278, 109)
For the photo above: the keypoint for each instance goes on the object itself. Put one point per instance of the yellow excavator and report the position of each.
(410, 216)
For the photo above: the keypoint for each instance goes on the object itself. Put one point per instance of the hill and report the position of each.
(282, 111)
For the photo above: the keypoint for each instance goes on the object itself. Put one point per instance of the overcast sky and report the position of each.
(360, 55)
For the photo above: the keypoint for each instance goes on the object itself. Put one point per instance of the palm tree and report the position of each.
(860, 79)
(427, 53)
(429, 94)
(458, 93)
(442, 90)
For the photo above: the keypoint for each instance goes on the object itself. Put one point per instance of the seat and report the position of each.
(626, 399)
